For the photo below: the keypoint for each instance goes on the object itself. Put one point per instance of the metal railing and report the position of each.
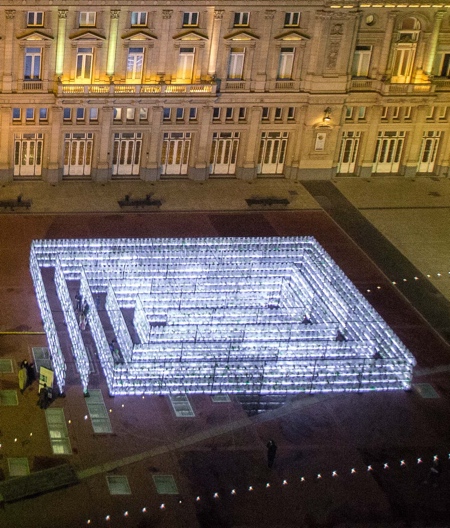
(135, 89)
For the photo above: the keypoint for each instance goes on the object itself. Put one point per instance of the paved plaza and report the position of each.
(342, 460)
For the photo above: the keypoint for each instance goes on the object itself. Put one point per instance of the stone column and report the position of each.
(441, 167)
(263, 58)
(369, 142)
(102, 171)
(200, 169)
(428, 68)
(248, 169)
(54, 172)
(167, 15)
(215, 35)
(112, 43)
(152, 170)
(6, 135)
(414, 142)
(383, 70)
(61, 42)
(9, 51)
(296, 140)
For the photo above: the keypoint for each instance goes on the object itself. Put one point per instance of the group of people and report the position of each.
(26, 375)
(82, 310)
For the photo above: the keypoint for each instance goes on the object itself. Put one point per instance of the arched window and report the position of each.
(409, 30)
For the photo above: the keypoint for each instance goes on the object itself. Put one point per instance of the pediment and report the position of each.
(241, 35)
(87, 35)
(292, 35)
(139, 35)
(35, 35)
(191, 36)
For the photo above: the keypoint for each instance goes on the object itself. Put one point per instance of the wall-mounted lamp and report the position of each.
(326, 114)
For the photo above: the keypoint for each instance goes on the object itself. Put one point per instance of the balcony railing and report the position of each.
(235, 86)
(364, 85)
(386, 88)
(400, 89)
(136, 89)
(34, 85)
(442, 84)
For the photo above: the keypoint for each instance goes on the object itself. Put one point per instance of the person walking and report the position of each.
(30, 371)
(271, 452)
(78, 299)
(23, 378)
(43, 397)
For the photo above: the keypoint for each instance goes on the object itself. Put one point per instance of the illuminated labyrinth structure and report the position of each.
(212, 315)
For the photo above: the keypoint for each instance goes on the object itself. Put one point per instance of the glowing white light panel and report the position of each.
(212, 315)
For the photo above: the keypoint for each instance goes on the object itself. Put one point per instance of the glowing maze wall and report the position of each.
(220, 315)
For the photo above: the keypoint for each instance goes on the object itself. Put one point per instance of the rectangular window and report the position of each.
(185, 68)
(80, 114)
(143, 114)
(67, 114)
(242, 113)
(35, 18)
(117, 114)
(236, 64)
(395, 112)
(229, 113)
(384, 112)
(29, 114)
(445, 66)
(430, 112)
(192, 113)
(32, 67)
(166, 114)
(278, 113)
(407, 112)
(361, 113)
(135, 62)
(84, 64)
(93, 114)
(291, 19)
(16, 114)
(87, 18)
(139, 18)
(442, 113)
(349, 112)
(180, 114)
(241, 19)
(130, 114)
(286, 63)
(190, 19)
(291, 113)
(43, 114)
(216, 113)
(403, 63)
(361, 61)
(265, 112)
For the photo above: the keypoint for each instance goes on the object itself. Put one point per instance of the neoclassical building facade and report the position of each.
(304, 89)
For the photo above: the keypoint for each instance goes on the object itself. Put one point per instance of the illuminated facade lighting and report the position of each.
(212, 315)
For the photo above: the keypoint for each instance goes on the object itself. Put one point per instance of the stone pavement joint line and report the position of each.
(204, 435)
(433, 370)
